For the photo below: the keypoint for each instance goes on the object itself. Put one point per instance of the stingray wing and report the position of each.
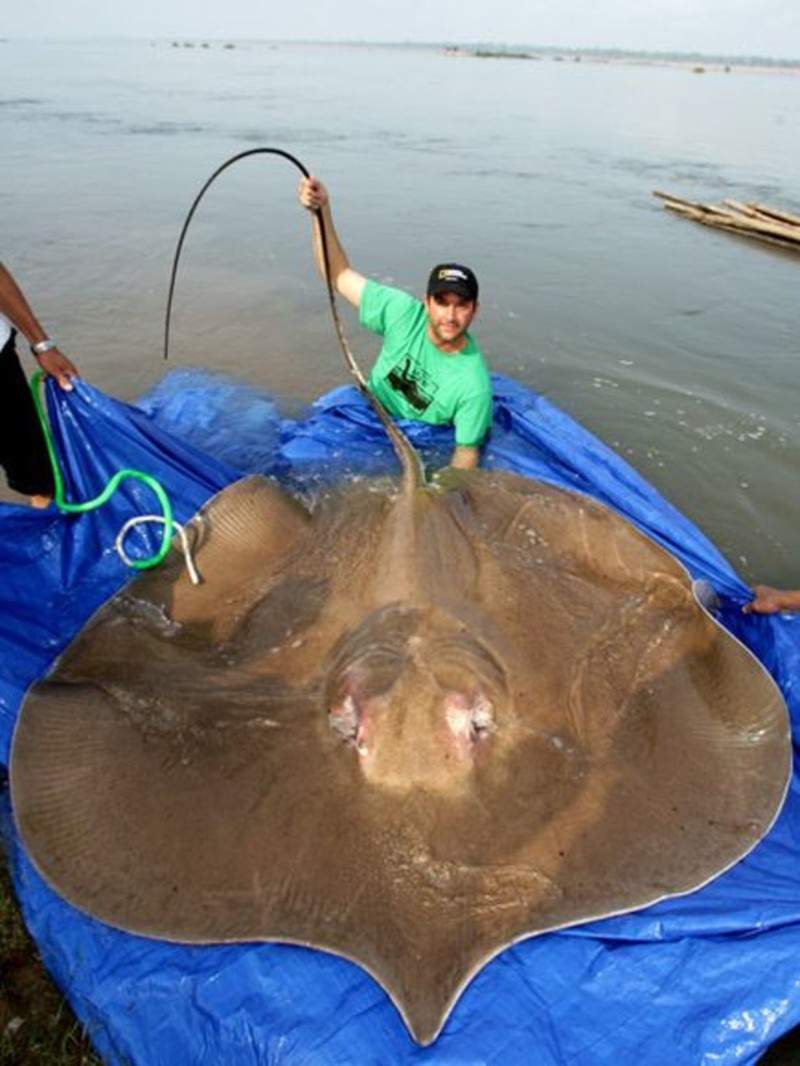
(677, 734)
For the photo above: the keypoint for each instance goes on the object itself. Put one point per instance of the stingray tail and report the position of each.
(413, 470)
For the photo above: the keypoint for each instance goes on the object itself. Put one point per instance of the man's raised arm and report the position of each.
(347, 282)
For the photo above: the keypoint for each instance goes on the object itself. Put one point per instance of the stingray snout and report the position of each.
(418, 734)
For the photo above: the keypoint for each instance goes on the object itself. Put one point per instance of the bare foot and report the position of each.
(41, 502)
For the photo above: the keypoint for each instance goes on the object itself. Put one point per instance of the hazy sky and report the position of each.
(731, 27)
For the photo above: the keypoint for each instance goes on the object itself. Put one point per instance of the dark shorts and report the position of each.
(23, 453)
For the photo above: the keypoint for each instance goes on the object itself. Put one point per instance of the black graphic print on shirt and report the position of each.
(413, 383)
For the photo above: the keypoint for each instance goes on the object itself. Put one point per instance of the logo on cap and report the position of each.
(452, 277)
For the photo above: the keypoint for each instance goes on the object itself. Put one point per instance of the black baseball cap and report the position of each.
(452, 277)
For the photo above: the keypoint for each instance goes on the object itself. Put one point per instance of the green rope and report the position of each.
(108, 491)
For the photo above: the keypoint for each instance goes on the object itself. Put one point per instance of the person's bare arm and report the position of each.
(465, 458)
(16, 308)
(767, 600)
(348, 282)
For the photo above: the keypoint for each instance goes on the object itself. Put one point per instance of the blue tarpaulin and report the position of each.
(711, 977)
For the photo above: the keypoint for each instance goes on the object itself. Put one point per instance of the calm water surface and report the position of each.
(675, 344)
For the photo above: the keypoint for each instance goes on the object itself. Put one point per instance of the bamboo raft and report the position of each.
(757, 221)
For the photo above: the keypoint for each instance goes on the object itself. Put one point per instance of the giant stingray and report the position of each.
(411, 724)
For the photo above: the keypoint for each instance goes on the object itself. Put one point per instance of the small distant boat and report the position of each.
(754, 220)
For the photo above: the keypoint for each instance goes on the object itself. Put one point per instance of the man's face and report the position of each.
(449, 317)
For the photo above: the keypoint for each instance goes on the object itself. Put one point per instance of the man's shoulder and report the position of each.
(378, 290)
(474, 359)
(382, 305)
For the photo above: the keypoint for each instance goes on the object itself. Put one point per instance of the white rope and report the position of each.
(187, 554)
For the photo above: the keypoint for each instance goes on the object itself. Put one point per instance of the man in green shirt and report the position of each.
(429, 367)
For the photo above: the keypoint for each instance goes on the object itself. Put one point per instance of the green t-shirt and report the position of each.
(413, 379)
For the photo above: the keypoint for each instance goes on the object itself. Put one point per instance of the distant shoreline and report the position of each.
(699, 61)
(697, 64)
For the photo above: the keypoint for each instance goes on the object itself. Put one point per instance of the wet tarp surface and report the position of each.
(708, 978)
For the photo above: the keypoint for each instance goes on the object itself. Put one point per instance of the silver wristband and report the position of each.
(43, 346)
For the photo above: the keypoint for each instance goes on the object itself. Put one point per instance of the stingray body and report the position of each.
(411, 725)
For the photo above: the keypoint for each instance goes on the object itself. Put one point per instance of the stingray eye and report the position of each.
(470, 716)
(482, 723)
(343, 718)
